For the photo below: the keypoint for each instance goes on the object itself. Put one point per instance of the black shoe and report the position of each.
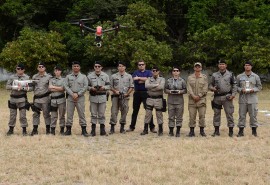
(112, 131)
(202, 133)
(84, 132)
(130, 130)
(145, 130)
(68, 131)
(230, 131)
(93, 130)
(48, 131)
(53, 131)
(216, 132)
(171, 131)
(254, 131)
(241, 132)
(24, 131)
(10, 131)
(191, 132)
(102, 130)
(160, 130)
(177, 131)
(62, 130)
(122, 129)
(35, 130)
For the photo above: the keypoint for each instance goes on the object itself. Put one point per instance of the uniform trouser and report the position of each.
(97, 112)
(252, 110)
(175, 114)
(45, 107)
(138, 98)
(150, 105)
(13, 115)
(122, 105)
(228, 108)
(80, 106)
(193, 109)
(61, 111)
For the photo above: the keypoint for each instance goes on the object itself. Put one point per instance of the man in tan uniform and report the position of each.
(223, 84)
(155, 87)
(197, 86)
(41, 98)
(58, 100)
(121, 87)
(99, 84)
(18, 100)
(76, 85)
(175, 87)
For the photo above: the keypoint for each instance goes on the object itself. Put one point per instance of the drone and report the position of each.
(98, 31)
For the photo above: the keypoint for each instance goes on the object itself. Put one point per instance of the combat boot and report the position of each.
(93, 130)
(24, 131)
(254, 131)
(62, 130)
(230, 131)
(68, 131)
(216, 132)
(112, 131)
(122, 128)
(48, 129)
(177, 131)
(10, 131)
(53, 130)
(241, 132)
(160, 130)
(202, 132)
(191, 132)
(102, 130)
(35, 130)
(171, 131)
(145, 130)
(84, 132)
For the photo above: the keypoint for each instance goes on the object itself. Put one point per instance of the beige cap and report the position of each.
(198, 64)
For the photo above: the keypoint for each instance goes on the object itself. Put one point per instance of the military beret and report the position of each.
(58, 68)
(122, 63)
(155, 67)
(20, 65)
(76, 63)
(41, 63)
(249, 63)
(222, 61)
(98, 62)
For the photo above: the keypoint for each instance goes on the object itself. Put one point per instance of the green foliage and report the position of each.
(31, 47)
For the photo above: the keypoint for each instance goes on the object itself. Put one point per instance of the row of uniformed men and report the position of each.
(48, 89)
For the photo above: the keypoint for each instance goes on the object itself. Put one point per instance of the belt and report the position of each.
(42, 96)
(18, 96)
(58, 97)
(155, 97)
(223, 94)
(97, 94)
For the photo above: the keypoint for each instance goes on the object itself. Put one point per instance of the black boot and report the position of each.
(145, 130)
(102, 130)
(24, 131)
(112, 129)
(254, 131)
(35, 130)
(48, 129)
(231, 131)
(202, 132)
(62, 130)
(122, 128)
(68, 131)
(53, 130)
(191, 132)
(177, 131)
(216, 132)
(171, 131)
(160, 130)
(93, 130)
(10, 131)
(84, 132)
(241, 132)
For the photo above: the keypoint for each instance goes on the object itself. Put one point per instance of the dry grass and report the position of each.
(135, 159)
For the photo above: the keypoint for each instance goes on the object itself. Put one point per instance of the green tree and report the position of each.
(31, 47)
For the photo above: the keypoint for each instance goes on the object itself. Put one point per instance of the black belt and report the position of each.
(155, 97)
(222, 94)
(58, 97)
(97, 94)
(42, 96)
(18, 96)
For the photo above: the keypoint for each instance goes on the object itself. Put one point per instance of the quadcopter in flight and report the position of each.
(98, 31)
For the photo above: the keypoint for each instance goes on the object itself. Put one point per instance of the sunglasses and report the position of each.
(140, 64)
(41, 67)
(175, 70)
(154, 70)
(97, 66)
(18, 68)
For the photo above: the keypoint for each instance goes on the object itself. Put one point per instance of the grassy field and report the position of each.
(134, 159)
